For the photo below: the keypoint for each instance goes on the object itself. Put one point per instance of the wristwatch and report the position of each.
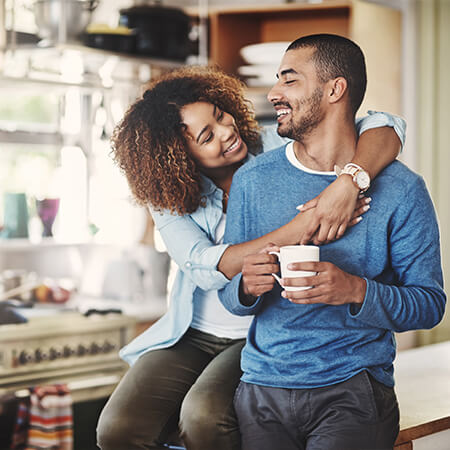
(359, 176)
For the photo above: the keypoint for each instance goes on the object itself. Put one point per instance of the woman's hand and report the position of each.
(333, 210)
(325, 218)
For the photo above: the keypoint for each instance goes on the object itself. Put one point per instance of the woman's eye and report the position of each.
(289, 81)
(220, 116)
(208, 138)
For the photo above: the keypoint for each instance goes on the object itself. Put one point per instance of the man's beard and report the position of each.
(308, 121)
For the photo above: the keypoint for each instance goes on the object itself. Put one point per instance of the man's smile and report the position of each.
(282, 111)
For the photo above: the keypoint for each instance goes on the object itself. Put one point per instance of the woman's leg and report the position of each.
(144, 408)
(207, 418)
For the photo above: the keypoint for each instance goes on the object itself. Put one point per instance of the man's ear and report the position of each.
(336, 89)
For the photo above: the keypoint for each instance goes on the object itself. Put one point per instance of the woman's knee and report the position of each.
(112, 431)
(207, 419)
(197, 414)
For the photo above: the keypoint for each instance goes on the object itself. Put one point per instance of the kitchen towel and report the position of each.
(49, 420)
(22, 425)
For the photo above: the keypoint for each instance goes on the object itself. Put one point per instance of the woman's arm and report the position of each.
(382, 136)
(192, 250)
(207, 264)
(326, 217)
(376, 149)
(292, 233)
(202, 260)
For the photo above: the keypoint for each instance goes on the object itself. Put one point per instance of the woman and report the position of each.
(179, 147)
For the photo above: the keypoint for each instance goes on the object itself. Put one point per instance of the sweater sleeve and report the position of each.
(235, 233)
(417, 299)
(190, 247)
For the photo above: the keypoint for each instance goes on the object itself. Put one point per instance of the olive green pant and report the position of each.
(188, 388)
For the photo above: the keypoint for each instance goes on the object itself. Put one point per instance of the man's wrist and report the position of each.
(246, 299)
(360, 291)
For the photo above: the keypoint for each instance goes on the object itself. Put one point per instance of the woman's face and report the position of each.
(213, 138)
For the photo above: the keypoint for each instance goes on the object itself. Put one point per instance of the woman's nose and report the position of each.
(226, 132)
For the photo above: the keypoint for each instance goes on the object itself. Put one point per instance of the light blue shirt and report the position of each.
(190, 243)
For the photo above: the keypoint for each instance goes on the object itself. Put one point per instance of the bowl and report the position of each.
(74, 14)
(259, 74)
(264, 53)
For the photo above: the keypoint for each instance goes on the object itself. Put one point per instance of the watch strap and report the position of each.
(351, 169)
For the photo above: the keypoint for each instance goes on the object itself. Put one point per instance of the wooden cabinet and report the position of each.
(377, 29)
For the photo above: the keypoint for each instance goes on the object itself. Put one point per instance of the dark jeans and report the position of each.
(190, 385)
(357, 414)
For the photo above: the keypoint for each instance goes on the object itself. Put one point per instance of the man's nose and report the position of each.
(274, 94)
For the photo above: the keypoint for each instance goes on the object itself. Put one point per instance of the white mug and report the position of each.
(291, 254)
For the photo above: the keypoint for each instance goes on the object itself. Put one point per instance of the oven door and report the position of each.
(89, 392)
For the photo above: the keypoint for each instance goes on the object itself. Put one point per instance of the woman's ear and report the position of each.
(337, 89)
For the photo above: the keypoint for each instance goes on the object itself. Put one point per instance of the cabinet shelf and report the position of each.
(31, 137)
(25, 245)
(376, 28)
(93, 59)
(135, 59)
(86, 51)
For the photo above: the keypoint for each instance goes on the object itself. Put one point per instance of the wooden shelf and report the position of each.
(232, 29)
(376, 28)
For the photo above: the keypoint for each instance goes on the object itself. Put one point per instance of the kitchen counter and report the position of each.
(423, 389)
(148, 310)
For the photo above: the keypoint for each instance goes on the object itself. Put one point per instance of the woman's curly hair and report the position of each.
(149, 144)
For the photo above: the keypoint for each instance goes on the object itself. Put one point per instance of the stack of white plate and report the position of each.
(262, 62)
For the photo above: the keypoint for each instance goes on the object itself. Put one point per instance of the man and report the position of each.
(317, 364)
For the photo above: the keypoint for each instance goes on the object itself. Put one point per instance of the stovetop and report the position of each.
(61, 342)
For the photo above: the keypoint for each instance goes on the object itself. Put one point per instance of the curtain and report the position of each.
(433, 127)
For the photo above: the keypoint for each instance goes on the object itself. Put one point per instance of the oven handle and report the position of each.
(80, 384)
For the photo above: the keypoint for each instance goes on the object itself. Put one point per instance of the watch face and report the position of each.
(362, 179)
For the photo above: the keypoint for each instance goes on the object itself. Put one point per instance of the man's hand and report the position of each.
(257, 273)
(331, 285)
(335, 208)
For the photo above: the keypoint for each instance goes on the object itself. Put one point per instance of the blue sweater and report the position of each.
(395, 248)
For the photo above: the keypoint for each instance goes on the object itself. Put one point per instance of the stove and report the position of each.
(65, 347)
(62, 346)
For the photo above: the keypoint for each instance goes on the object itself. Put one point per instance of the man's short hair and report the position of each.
(336, 56)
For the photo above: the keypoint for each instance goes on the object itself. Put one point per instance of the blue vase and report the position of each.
(15, 223)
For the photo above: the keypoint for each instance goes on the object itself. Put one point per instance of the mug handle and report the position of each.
(274, 274)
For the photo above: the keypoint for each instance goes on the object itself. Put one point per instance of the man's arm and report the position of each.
(418, 299)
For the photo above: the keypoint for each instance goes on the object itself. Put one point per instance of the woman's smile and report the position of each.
(234, 147)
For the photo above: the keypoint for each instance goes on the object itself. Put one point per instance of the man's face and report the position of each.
(297, 95)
